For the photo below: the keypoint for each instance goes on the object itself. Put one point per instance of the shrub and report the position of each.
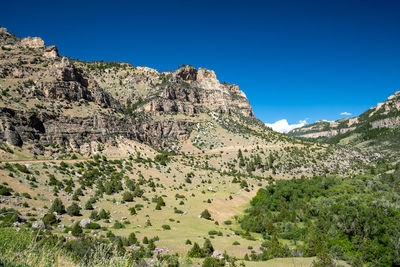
(49, 219)
(195, 251)
(22, 168)
(166, 227)
(26, 195)
(92, 225)
(206, 215)
(104, 214)
(5, 191)
(74, 210)
(213, 232)
(213, 262)
(127, 196)
(132, 210)
(88, 205)
(132, 238)
(118, 225)
(94, 215)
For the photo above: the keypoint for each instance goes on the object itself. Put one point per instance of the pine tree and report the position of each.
(208, 248)
(57, 206)
(195, 251)
(77, 230)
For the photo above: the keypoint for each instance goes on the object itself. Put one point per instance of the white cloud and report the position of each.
(283, 126)
(345, 113)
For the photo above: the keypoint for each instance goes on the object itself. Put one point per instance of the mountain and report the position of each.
(103, 162)
(52, 107)
(49, 98)
(376, 129)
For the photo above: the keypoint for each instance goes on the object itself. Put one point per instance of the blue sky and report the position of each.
(295, 60)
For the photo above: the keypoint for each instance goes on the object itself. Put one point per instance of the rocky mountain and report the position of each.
(47, 98)
(53, 107)
(378, 127)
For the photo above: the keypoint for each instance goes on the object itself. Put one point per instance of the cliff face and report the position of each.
(47, 98)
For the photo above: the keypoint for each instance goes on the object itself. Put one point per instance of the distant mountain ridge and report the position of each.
(376, 126)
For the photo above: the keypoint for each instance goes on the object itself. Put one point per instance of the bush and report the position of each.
(213, 262)
(118, 225)
(5, 191)
(132, 238)
(127, 196)
(49, 219)
(92, 225)
(74, 210)
(22, 168)
(166, 227)
(104, 214)
(206, 215)
(132, 210)
(195, 251)
(94, 215)
(88, 206)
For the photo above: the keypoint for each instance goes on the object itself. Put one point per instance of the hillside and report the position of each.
(375, 130)
(136, 159)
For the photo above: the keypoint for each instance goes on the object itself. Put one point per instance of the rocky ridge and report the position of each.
(375, 130)
(47, 98)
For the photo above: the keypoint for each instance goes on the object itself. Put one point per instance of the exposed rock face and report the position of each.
(221, 97)
(51, 52)
(186, 73)
(32, 42)
(74, 131)
(12, 137)
(392, 123)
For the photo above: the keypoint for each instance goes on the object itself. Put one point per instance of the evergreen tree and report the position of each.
(57, 206)
(76, 230)
(208, 248)
(195, 251)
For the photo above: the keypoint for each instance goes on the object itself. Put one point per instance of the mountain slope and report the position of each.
(376, 129)
(48, 98)
(130, 157)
